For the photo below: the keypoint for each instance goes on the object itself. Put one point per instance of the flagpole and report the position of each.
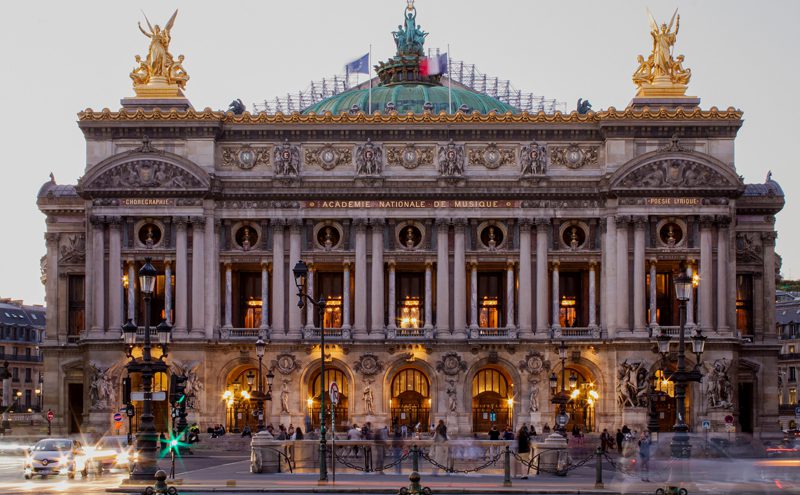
(369, 75)
(449, 83)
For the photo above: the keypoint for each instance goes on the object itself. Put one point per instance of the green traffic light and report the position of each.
(173, 443)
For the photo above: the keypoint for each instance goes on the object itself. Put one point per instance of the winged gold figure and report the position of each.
(159, 74)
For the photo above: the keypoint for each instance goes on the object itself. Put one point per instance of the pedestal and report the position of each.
(635, 418)
(536, 421)
(552, 453)
(264, 453)
(451, 421)
(286, 419)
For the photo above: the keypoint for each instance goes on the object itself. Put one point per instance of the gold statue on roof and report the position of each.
(159, 75)
(660, 74)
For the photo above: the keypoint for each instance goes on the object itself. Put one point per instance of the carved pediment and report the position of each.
(146, 174)
(685, 171)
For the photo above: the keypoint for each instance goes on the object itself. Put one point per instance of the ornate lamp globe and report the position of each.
(300, 272)
(663, 343)
(562, 351)
(129, 332)
(261, 347)
(573, 380)
(164, 332)
(147, 277)
(698, 343)
(553, 381)
(683, 287)
(250, 378)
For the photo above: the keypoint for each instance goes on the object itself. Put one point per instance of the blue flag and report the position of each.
(358, 66)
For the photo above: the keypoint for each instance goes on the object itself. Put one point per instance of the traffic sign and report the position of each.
(118, 425)
(333, 391)
(50, 415)
(153, 395)
(130, 411)
(706, 424)
(729, 419)
(117, 417)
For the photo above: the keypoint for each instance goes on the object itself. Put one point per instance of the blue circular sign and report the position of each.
(117, 417)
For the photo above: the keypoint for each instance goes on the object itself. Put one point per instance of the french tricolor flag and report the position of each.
(433, 66)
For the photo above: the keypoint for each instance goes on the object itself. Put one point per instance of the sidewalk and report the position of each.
(235, 477)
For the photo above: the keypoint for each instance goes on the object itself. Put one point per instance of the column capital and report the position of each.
(114, 222)
(295, 224)
(442, 222)
(391, 264)
(198, 222)
(97, 220)
(266, 265)
(652, 261)
(555, 264)
(347, 264)
(228, 265)
(277, 224)
(769, 238)
(510, 264)
(428, 264)
(723, 221)
(640, 222)
(593, 264)
(52, 237)
(542, 224)
(180, 222)
(472, 263)
(622, 221)
(377, 223)
(168, 261)
(459, 224)
(706, 221)
(360, 224)
(525, 224)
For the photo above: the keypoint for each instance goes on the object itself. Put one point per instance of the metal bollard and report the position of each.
(414, 458)
(598, 468)
(507, 467)
(414, 486)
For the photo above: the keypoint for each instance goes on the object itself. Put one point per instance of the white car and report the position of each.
(54, 456)
(112, 452)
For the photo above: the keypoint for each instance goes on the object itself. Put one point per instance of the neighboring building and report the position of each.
(455, 250)
(788, 321)
(22, 330)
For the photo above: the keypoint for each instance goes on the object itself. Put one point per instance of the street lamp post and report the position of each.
(147, 366)
(261, 396)
(562, 398)
(680, 446)
(300, 271)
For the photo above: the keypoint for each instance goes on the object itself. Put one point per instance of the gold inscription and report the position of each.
(673, 201)
(146, 202)
(410, 204)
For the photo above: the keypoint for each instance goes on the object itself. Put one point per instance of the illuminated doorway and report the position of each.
(492, 400)
(411, 399)
(314, 399)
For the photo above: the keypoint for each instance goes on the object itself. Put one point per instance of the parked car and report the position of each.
(53, 456)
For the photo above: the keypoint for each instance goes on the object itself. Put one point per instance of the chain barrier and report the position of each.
(363, 469)
(529, 464)
(446, 469)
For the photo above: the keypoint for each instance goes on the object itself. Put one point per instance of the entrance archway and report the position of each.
(161, 412)
(314, 400)
(239, 409)
(492, 400)
(583, 398)
(665, 399)
(410, 402)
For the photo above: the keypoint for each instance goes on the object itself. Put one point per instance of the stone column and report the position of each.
(623, 302)
(310, 308)
(510, 294)
(212, 273)
(542, 224)
(51, 288)
(181, 278)
(265, 309)
(346, 296)
(98, 274)
(690, 304)
(295, 313)
(592, 294)
(228, 296)
(722, 275)
(360, 323)
(198, 274)
(768, 241)
(610, 276)
(473, 294)
(556, 296)
(115, 289)
(442, 276)
(278, 307)
(704, 310)
(639, 279)
(525, 282)
(428, 294)
(653, 298)
(392, 297)
(377, 277)
(459, 280)
(168, 290)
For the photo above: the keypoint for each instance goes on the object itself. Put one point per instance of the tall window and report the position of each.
(315, 394)
(330, 285)
(491, 300)
(76, 304)
(410, 299)
(157, 301)
(667, 313)
(792, 374)
(249, 300)
(744, 304)
(571, 300)
(28, 375)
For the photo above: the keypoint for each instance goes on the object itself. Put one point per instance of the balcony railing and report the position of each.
(410, 333)
(672, 331)
(483, 333)
(243, 333)
(310, 333)
(787, 356)
(17, 357)
(582, 333)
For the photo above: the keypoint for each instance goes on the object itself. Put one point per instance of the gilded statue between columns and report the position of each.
(160, 75)
(661, 74)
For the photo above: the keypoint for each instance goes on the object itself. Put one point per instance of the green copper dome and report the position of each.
(410, 97)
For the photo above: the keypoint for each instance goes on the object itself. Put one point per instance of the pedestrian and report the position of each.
(546, 429)
(404, 431)
(508, 434)
(644, 455)
(605, 440)
(494, 433)
(440, 450)
(381, 436)
(523, 452)
(298, 433)
(367, 434)
(619, 438)
(532, 432)
(246, 432)
(354, 434)
(397, 449)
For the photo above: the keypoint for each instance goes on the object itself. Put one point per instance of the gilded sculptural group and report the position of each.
(159, 74)
(661, 73)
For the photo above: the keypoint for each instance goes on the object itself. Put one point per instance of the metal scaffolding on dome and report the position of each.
(462, 73)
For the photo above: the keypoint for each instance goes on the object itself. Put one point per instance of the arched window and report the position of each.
(492, 400)
(410, 403)
(313, 402)
(239, 407)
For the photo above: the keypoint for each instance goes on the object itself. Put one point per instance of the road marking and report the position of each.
(213, 467)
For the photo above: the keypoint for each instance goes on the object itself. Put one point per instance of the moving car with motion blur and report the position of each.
(54, 456)
(112, 452)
